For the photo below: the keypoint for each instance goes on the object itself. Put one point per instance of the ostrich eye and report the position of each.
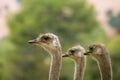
(72, 51)
(91, 48)
(46, 38)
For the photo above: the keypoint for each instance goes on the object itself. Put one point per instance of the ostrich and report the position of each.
(51, 44)
(100, 54)
(77, 54)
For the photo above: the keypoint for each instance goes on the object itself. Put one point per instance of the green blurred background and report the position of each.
(74, 21)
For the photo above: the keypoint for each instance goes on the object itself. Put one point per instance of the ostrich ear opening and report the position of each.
(32, 41)
(65, 55)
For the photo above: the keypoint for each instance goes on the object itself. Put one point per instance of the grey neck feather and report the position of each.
(55, 67)
(80, 65)
(105, 67)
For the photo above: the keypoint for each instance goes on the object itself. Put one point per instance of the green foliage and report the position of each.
(57, 16)
(6, 48)
(73, 21)
(114, 49)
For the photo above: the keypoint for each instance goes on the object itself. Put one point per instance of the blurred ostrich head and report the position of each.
(75, 52)
(48, 41)
(96, 49)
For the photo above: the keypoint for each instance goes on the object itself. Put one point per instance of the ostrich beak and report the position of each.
(32, 41)
(65, 55)
(87, 53)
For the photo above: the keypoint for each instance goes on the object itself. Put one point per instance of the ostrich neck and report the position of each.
(55, 67)
(80, 65)
(104, 63)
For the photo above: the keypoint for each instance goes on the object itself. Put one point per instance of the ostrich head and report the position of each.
(96, 49)
(75, 52)
(48, 41)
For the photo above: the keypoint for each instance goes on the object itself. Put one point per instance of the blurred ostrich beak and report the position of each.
(32, 41)
(87, 53)
(65, 55)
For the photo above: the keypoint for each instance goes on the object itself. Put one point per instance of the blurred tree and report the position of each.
(66, 17)
(114, 20)
(6, 47)
(114, 49)
(73, 21)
